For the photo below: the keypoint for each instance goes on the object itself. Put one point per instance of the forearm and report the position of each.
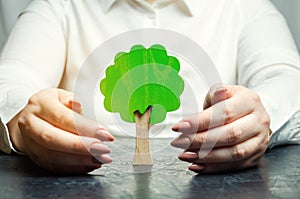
(278, 89)
(33, 59)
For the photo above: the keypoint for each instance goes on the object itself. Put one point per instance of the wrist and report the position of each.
(14, 135)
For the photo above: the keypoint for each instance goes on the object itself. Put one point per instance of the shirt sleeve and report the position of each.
(32, 59)
(268, 62)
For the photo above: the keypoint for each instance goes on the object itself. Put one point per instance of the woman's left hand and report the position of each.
(232, 132)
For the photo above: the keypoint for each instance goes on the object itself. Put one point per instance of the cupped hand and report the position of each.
(231, 133)
(53, 133)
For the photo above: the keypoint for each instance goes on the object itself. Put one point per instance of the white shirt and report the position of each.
(247, 40)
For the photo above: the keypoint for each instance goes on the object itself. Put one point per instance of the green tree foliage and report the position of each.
(142, 78)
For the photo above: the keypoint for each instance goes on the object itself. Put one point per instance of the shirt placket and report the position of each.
(151, 18)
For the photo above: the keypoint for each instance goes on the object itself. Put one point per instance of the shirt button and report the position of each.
(153, 19)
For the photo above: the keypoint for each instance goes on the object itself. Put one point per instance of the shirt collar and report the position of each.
(188, 6)
(106, 4)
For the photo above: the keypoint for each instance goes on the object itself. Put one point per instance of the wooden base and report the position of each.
(142, 154)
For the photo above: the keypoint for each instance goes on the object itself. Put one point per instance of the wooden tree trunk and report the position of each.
(142, 154)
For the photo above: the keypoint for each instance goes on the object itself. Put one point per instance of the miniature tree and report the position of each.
(142, 86)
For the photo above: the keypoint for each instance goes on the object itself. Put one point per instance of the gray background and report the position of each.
(9, 10)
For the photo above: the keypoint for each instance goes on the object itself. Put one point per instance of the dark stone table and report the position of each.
(277, 176)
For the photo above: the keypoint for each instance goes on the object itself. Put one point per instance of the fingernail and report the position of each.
(99, 149)
(184, 125)
(188, 156)
(181, 126)
(103, 133)
(175, 128)
(196, 167)
(183, 143)
(96, 161)
(105, 159)
(220, 90)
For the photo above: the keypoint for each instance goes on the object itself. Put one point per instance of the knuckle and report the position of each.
(78, 147)
(33, 105)
(199, 139)
(45, 137)
(229, 113)
(238, 153)
(255, 97)
(204, 121)
(267, 121)
(62, 117)
(24, 122)
(59, 116)
(33, 100)
(234, 134)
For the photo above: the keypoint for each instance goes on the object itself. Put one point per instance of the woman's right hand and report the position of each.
(46, 131)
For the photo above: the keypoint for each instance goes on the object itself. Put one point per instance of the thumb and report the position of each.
(67, 99)
(217, 92)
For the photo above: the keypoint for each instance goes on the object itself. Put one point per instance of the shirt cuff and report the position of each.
(5, 143)
(289, 133)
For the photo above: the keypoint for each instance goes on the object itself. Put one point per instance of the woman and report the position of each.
(248, 41)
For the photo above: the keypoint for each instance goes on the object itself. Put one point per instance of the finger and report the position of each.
(219, 114)
(90, 128)
(226, 167)
(228, 135)
(67, 99)
(228, 154)
(73, 105)
(97, 156)
(64, 118)
(65, 163)
(216, 93)
(54, 138)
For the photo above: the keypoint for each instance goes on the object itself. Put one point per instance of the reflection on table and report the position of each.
(277, 176)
